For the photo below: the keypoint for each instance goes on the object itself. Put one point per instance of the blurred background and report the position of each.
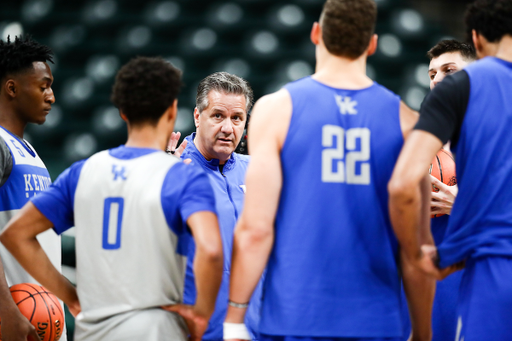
(264, 41)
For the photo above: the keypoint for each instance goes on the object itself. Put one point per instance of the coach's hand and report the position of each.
(428, 260)
(442, 201)
(196, 322)
(16, 327)
(173, 143)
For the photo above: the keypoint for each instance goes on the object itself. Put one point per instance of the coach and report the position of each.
(222, 103)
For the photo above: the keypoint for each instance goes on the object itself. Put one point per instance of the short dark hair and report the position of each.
(19, 55)
(226, 83)
(490, 18)
(348, 26)
(466, 50)
(145, 88)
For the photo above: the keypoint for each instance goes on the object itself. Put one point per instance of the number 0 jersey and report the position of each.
(333, 269)
(130, 207)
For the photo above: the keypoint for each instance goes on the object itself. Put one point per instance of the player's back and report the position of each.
(129, 258)
(333, 270)
(484, 168)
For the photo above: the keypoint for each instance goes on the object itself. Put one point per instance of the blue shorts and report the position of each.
(485, 300)
(444, 311)
(264, 337)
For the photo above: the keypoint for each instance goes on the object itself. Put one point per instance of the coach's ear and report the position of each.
(196, 117)
(316, 33)
(372, 47)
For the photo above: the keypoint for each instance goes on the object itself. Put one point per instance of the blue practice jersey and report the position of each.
(481, 220)
(333, 269)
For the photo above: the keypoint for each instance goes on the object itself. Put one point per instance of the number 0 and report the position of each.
(112, 222)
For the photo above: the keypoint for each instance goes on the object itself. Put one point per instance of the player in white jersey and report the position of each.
(26, 97)
(135, 210)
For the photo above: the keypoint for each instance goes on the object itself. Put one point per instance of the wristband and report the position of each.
(236, 331)
(238, 305)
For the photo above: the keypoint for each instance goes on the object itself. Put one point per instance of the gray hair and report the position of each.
(226, 83)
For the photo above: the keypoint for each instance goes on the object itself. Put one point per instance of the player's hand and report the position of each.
(16, 327)
(173, 143)
(442, 201)
(196, 322)
(428, 260)
(74, 308)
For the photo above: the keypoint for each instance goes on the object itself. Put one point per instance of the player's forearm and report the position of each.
(420, 290)
(31, 256)
(7, 305)
(251, 248)
(208, 270)
(405, 210)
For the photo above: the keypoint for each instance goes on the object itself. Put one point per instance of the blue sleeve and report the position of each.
(56, 203)
(186, 190)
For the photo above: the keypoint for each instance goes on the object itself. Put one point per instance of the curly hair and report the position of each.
(446, 46)
(348, 26)
(145, 88)
(490, 18)
(18, 55)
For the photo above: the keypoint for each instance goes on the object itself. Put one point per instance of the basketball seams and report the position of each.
(47, 309)
(30, 295)
(440, 168)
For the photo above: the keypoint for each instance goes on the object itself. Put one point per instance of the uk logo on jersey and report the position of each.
(119, 172)
(346, 105)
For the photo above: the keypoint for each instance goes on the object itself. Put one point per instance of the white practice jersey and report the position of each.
(129, 207)
(28, 177)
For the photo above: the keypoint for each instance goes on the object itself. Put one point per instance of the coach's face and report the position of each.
(443, 66)
(220, 126)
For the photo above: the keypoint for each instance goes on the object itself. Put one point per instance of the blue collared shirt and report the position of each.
(229, 189)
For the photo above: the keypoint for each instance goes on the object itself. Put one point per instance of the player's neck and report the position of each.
(339, 72)
(11, 121)
(505, 48)
(147, 136)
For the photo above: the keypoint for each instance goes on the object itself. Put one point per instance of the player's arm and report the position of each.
(419, 287)
(254, 233)
(208, 260)
(208, 270)
(19, 238)
(14, 325)
(441, 117)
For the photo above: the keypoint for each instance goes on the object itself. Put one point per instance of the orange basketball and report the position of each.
(443, 169)
(41, 308)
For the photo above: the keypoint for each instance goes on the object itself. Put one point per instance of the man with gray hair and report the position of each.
(222, 103)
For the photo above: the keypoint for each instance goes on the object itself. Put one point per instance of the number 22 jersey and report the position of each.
(333, 269)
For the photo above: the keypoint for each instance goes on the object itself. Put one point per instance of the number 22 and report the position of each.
(346, 171)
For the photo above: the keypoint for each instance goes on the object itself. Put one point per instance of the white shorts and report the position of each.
(147, 325)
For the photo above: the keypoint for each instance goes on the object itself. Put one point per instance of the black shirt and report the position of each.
(444, 108)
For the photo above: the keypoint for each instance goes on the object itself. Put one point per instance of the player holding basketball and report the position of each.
(222, 103)
(472, 109)
(26, 97)
(316, 210)
(446, 58)
(132, 207)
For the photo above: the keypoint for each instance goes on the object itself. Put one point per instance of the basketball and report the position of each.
(41, 308)
(443, 169)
